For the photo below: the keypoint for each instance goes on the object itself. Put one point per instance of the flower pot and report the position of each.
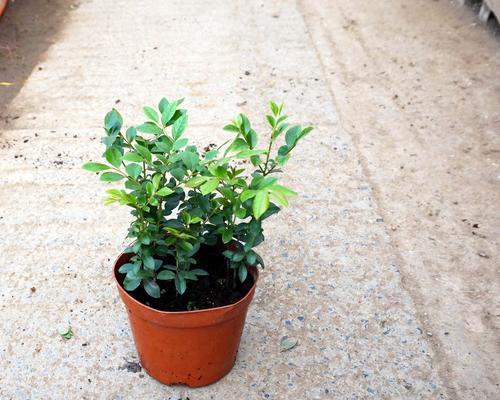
(3, 6)
(195, 348)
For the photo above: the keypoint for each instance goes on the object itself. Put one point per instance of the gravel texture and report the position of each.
(379, 310)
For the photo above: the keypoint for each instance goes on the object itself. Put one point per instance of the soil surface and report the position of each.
(220, 288)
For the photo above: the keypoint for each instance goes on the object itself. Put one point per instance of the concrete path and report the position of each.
(383, 267)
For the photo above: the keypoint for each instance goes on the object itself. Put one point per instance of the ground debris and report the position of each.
(131, 366)
(288, 343)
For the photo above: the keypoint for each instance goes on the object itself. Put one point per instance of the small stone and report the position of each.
(247, 73)
(483, 254)
(131, 366)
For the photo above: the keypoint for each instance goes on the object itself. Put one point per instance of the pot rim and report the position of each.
(252, 269)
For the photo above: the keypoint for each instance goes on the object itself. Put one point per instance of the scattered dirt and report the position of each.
(220, 288)
(131, 366)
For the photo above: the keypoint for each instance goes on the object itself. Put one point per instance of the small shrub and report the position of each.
(181, 197)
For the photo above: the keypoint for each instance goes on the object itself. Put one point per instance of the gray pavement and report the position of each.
(351, 272)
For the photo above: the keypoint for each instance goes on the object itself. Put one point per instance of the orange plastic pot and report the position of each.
(194, 348)
(3, 6)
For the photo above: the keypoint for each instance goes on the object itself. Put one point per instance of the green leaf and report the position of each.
(165, 145)
(281, 159)
(184, 244)
(199, 272)
(131, 284)
(151, 113)
(179, 144)
(113, 122)
(131, 133)
(67, 333)
(292, 135)
(132, 185)
(284, 190)
(178, 173)
(190, 160)
(111, 177)
(150, 127)
(149, 262)
(247, 194)
(237, 257)
(210, 155)
(218, 171)
(283, 150)
(162, 105)
(179, 126)
(132, 156)
(260, 203)
(245, 123)
(238, 144)
(231, 128)
(144, 152)
(95, 167)
(133, 170)
(151, 288)
(227, 235)
(196, 181)
(255, 160)
(113, 156)
(156, 181)
(251, 257)
(305, 131)
(165, 275)
(180, 284)
(241, 213)
(266, 182)
(252, 138)
(271, 120)
(250, 153)
(168, 112)
(209, 186)
(279, 198)
(149, 188)
(228, 253)
(242, 272)
(165, 191)
(260, 261)
(126, 268)
(274, 108)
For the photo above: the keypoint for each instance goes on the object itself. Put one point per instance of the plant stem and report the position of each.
(265, 172)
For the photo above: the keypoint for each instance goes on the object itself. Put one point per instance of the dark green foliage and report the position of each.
(181, 198)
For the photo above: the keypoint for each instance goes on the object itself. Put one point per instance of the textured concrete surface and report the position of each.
(384, 267)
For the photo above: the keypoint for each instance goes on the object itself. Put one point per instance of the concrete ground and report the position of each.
(385, 267)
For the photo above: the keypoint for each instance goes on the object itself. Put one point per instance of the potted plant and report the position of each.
(189, 274)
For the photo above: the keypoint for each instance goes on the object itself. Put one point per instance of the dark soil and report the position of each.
(219, 288)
